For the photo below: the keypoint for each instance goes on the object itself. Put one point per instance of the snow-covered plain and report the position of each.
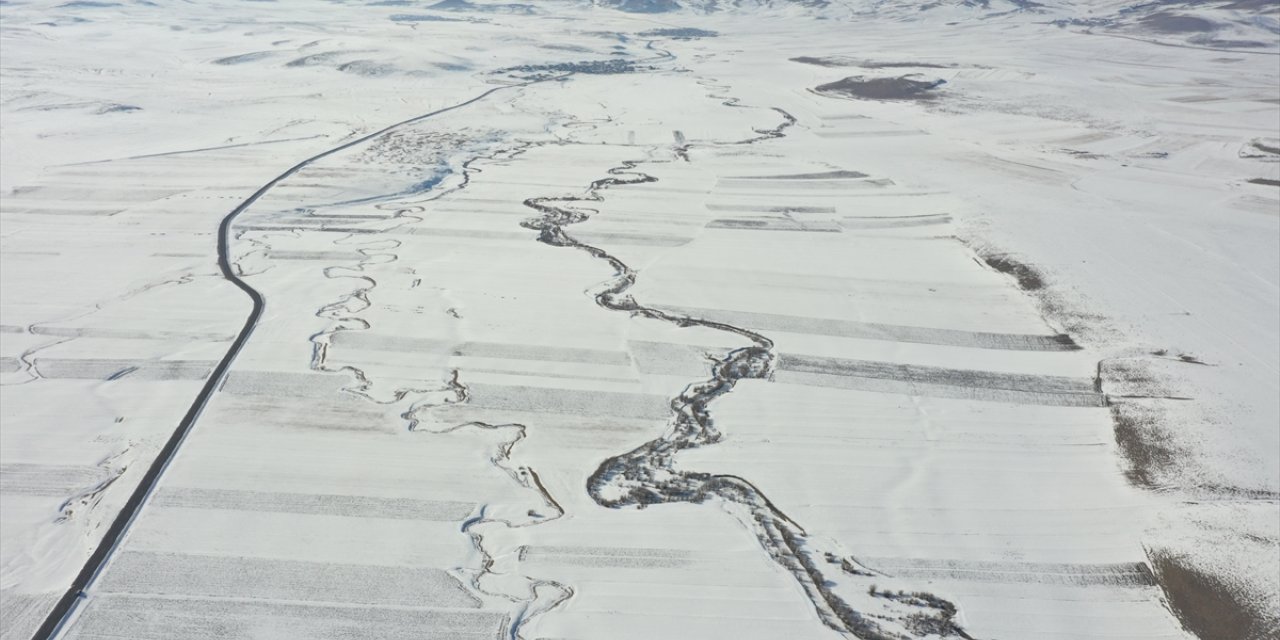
(639, 321)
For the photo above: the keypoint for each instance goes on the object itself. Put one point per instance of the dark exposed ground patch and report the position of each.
(464, 5)
(596, 67)
(421, 17)
(824, 62)
(1250, 5)
(1130, 377)
(1083, 155)
(1208, 606)
(1258, 148)
(872, 64)
(900, 222)
(1137, 416)
(680, 33)
(643, 6)
(1165, 22)
(117, 108)
(933, 375)
(937, 382)
(1230, 44)
(566, 47)
(1144, 443)
(1118, 574)
(888, 332)
(244, 57)
(322, 58)
(824, 175)
(313, 59)
(839, 61)
(900, 88)
(1028, 278)
(1027, 5)
(369, 68)
(1229, 492)
(1265, 181)
(772, 224)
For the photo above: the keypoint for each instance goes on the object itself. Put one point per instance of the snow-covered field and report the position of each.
(649, 319)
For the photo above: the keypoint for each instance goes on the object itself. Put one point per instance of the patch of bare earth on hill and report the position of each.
(1029, 278)
(1207, 605)
(1213, 602)
(843, 61)
(1262, 149)
(1166, 22)
(1138, 406)
(1056, 309)
(908, 87)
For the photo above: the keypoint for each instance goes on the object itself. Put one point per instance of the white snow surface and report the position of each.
(1002, 362)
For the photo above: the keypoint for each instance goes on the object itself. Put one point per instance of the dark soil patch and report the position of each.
(1267, 181)
(419, 17)
(464, 5)
(902, 88)
(1251, 5)
(824, 175)
(1143, 443)
(1028, 278)
(1173, 23)
(592, 67)
(1262, 146)
(1208, 606)
(244, 57)
(681, 33)
(825, 62)
(643, 6)
(838, 61)
(1231, 44)
(870, 64)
